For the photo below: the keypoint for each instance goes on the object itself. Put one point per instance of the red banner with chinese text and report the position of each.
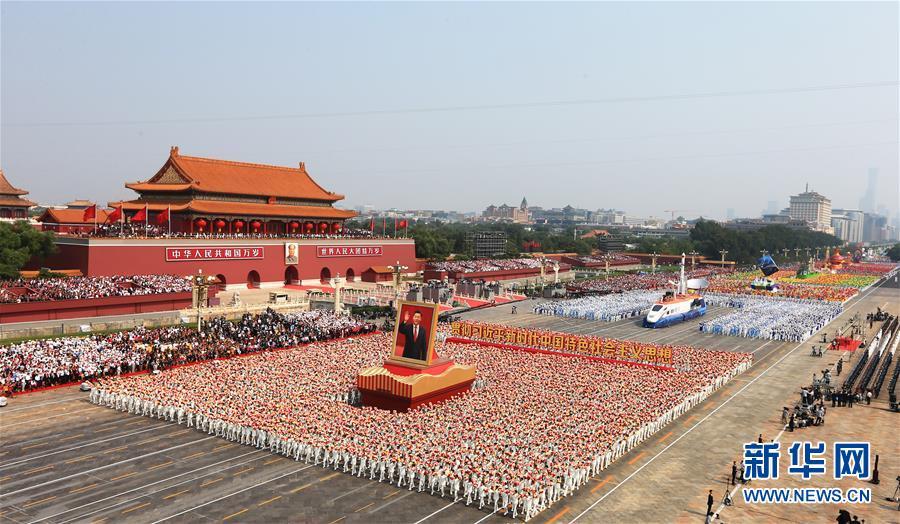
(565, 342)
(186, 254)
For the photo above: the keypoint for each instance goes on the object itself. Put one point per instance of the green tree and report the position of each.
(894, 253)
(745, 246)
(19, 242)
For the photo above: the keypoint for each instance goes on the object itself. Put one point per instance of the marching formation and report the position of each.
(773, 318)
(608, 308)
(537, 430)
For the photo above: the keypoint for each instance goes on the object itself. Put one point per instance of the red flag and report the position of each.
(115, 215)
(89, 213)
(372, 224)
(163, 217)
(395, 226)
(140, 215)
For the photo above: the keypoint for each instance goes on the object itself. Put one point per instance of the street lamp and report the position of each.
(397, 269)
(723, 252)
(200, 292)
(653, 261)
(693, 254)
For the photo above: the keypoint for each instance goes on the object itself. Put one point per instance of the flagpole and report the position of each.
(122, 222)
(146, 218)
(169, 218)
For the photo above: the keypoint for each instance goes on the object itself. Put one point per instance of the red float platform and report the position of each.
(401, 386)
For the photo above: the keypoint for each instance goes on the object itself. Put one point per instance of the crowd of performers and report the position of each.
(608, 308)
(47, 362)
(538, 428)
(637, 281)
(772, 318)
(78, 288)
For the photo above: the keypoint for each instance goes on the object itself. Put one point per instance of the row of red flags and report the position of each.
(403, 224)
(116, 214)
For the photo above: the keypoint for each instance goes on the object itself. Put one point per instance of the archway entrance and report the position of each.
(351, 275)
(219, 286)
(290, 275)
(325, 275)
(252, 279)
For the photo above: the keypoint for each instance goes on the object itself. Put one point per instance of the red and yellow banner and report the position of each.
(565, 342)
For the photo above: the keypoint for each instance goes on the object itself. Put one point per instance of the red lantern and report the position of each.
(295, 225)
(255, 224)
(201, 222)
(220, 223)
(323, 226)
(309, 226)
(336, 227)
(238, 224)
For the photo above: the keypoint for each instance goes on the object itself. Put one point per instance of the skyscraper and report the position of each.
(867, 202)
(813, 208)
(848, 224)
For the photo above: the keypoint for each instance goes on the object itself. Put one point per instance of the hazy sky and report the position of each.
(457, 106)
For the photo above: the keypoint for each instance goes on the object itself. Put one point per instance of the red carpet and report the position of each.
(848, 344)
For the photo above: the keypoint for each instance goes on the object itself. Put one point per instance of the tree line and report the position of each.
(19, 242)
(745, 247)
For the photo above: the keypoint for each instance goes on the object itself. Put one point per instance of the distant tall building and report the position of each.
(729, 213)
(867, 202)
(875, 228)
(609, 216)
(848, 224)
(813, 208)
(503, 212)
(771, 208)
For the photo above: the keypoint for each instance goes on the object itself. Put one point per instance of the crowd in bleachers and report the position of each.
(538, 428)
(485, 265)
(140, 230)
(75, 288)
(615, 259)
(38, 363)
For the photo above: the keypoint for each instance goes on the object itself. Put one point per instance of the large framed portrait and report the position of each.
(414, 333)
(291, 253)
